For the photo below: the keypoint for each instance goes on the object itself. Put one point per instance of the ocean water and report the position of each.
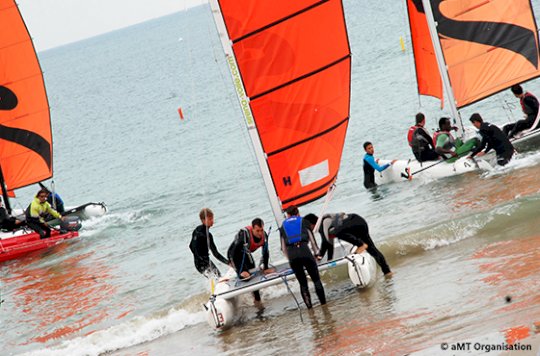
(458, 246)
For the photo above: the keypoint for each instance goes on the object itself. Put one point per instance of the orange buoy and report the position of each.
(180, 113)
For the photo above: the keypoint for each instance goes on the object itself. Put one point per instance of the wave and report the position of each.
(136, 331)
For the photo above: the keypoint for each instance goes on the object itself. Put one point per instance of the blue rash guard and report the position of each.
(370, 165)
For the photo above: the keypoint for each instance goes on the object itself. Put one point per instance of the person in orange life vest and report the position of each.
(529, 106)
(247, 241)
(421, 142)
(295, 237)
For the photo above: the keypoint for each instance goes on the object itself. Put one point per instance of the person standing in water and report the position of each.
(201, 242)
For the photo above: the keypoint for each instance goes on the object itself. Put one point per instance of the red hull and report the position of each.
(16, 247)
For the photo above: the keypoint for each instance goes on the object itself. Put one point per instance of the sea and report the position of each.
(465, 250)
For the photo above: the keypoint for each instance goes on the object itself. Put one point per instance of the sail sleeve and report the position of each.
(294, 64)
(488, 46)
(25, 131)
(427, 72)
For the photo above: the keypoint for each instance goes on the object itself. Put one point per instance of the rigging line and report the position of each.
(230, 94)
(284, 279)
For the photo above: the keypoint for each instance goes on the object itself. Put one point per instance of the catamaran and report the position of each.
(25, 129)
(469, 50)
(290, 63)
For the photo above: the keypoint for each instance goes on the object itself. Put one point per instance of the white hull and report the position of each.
(222, 307)
(428, 170)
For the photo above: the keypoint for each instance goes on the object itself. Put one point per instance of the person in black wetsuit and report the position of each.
(529, 106)
(295, 236)
(421, 142)
(247, 241)
(351, 228)
(493, 138)
(201, 241)
(8, 222)
(370, 165)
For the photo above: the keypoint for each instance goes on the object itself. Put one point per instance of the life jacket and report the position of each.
(253, 246)
(522, 101)
(410, 134)
(293, 229)
(439, 132)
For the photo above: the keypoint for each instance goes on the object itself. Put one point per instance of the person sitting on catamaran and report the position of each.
(447, 146)
(295, 237)
(493, 138)
(8, 222)
(529, 106)
(36, 212)
(248, 240)
(370, 165)
(201, 241)
(347, 227)
(420, 141)
(54, 199)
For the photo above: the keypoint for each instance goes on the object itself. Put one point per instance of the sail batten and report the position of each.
(293, 63)
(25, 131)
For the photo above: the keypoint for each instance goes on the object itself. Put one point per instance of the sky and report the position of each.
(53, 23)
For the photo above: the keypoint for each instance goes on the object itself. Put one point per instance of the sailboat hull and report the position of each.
(528, 142)
(428, 170)
(13, 246)
(83, 212)
(222, 308)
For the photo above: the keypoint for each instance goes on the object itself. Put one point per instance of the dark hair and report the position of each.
(367, 143)
(42, 191)
(442, 120)
(257, 222)
(476, 117)
(292, 210)
(312, 218)
(419, 118)
(517, 89)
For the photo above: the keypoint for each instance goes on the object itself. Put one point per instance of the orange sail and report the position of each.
(293, 61)
(487, 46)
(427, 71)
(25, 130)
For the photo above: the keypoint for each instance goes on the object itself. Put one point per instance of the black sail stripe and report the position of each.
(28, 139)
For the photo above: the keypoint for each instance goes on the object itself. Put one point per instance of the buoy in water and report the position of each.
(180, 113)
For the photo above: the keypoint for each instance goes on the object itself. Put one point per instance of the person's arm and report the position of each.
(311, 239)
(369, 159)
(480, 147)
(428, 138)
(531, 107)
(283, 245)
(441, 142)
(51, 211)
(215, 252)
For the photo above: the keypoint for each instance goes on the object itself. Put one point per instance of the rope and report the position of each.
(284, 278)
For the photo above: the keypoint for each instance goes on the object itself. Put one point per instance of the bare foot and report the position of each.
(389, 275)
(361, 249)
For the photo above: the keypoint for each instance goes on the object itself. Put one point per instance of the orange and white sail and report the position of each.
(487, 46)
(25, 129)
(291, 66)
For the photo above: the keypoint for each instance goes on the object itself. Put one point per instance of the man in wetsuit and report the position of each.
(493, 138)
(529, 106)
(295, 236)
(370, 165)
(201, 241)
(421, 142)
(247, 241)
(347, 227)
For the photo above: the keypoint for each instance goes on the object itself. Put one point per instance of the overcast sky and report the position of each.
(56, 22)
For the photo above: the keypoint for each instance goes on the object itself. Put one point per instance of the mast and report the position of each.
(442, 64)
(246, 111)
(5, 197)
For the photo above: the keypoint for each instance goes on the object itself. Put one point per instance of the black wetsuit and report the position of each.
(354, 229)
(494, 138)
(422, 146)
(529, 105)
(7, 222)
(201, 241)
(300, 257)
(241, 255)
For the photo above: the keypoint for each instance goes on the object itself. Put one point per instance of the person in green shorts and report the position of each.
(447, 146)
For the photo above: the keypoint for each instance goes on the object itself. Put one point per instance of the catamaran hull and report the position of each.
(221, 309)
(428, 170)
(17, 245)
(527, 142)
(83, 212)
(362, 270)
